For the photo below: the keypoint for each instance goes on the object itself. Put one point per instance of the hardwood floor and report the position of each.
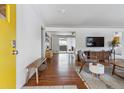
(60, 71)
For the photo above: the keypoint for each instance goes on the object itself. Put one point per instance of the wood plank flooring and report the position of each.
(60, 71)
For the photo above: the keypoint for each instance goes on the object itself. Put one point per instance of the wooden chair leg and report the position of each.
(37, 78)
(81, 68)
(113, 70)
(28, 74)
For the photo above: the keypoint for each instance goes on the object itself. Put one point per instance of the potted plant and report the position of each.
(115, 42)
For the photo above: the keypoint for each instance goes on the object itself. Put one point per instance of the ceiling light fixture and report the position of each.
(62, 11)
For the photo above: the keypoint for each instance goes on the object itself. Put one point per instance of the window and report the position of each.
(62, 41)
(2, 11)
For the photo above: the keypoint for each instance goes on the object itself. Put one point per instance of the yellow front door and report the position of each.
(7, 40)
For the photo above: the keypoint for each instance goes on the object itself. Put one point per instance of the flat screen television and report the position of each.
(95, 41)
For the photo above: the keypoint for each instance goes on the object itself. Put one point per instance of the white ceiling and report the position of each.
(81, 15)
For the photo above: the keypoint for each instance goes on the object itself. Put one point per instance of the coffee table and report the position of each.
(97, 69)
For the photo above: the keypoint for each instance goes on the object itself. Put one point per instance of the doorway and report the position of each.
(66, 44)
(62, 45)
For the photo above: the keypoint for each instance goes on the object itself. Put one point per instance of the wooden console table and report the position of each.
(119, 63)
(101, 55)
(35, 65)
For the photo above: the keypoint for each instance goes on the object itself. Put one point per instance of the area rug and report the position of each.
(51, 87)
(106, 81)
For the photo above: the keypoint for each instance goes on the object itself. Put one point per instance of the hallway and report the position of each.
(60, 71)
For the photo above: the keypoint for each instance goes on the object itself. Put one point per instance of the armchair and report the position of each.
(84, 59)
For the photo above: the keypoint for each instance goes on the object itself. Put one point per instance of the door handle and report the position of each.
(14, 52)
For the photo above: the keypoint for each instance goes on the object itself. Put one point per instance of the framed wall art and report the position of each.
(5, 12)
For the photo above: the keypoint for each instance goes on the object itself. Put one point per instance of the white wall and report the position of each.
(43, 46)
(28, 39)
(107, 33)
(55, 43)
(70, 43)
(82, 33)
